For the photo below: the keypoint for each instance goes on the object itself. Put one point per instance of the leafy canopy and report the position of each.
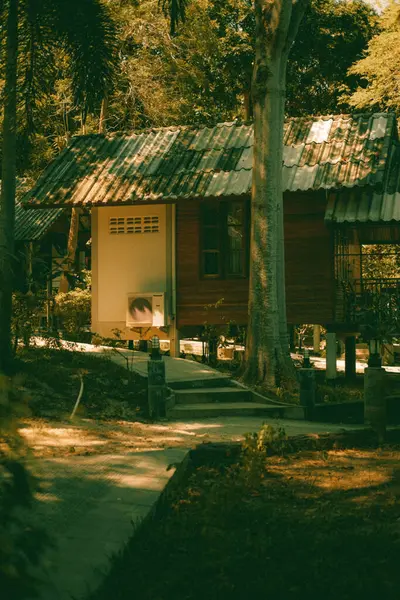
(60, 40)
(379, 70)
(203, 74)
(200, 75)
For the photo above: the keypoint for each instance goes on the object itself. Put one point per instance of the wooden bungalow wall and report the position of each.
(309, 268)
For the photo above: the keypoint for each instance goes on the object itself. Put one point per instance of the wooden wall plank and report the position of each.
(309, 268)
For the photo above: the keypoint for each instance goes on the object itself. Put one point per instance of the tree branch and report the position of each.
(299, 7)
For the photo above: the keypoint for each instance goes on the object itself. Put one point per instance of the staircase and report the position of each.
(200, 399)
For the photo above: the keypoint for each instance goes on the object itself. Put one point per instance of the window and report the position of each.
(236, 233)
(223, 240)
(211, 251)
(121, 225)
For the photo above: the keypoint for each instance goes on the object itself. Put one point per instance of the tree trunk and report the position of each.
(73, 234)
(29, 266)
(281, 279)
(267, 349)
(248, 106)
(8, 185)
(71, 249)
(263, 325)
(103, 115)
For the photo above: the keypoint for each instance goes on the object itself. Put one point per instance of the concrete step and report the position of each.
(211, 395)
(199, 384)
(234, 409)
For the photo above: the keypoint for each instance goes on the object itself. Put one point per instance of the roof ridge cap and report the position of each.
(234, 123)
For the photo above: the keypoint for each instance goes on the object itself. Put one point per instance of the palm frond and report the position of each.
(88, 35)
(37, 58)
(83, 31)
(175, 10)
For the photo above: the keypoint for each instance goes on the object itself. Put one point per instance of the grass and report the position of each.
(319, 522)
(51, 378)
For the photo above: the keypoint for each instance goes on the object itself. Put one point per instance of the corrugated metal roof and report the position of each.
(31, 224)
(174, 163)
(369, 206)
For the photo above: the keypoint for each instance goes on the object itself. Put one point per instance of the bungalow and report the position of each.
(171, 210)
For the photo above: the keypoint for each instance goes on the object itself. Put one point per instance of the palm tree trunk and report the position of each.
(8, 185)
(73, 236)
(71, 249)
(103, 115)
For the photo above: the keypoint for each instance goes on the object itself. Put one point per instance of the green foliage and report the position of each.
(22, 541)
(331, 37)
(175, 10)
(338, 393)
(66, 63)
(256, 447)
(200, 76)
(212, 59)
(378, 313)
(74, 310)
(381, 261)
(268, 439)
(379, 69)
(27, 311)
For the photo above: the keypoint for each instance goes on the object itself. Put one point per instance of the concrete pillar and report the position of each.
(156, 388)
(307, 391)
(375, 400)
(331, 356)
(317, 339)
(350, 357)
(175, 341)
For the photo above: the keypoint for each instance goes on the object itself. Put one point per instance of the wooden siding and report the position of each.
(309, 268)
(193, 291)
(309, 260)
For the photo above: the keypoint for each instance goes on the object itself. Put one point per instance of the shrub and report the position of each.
(329, 394)
(74, 309)
(27, 311)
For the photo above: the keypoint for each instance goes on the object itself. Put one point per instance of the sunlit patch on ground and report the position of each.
(88, 436)
(337, 470)
(104, 437)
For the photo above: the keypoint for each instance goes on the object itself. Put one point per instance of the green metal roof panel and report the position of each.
(369, 206)
(32, 225)
(175, 163)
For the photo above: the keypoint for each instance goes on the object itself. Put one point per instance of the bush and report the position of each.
(329, 394)
(27, 311)
(74, 310)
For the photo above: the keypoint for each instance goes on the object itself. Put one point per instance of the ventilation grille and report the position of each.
(121, 225)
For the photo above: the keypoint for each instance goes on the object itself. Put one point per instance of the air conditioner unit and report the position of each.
(145, 310)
